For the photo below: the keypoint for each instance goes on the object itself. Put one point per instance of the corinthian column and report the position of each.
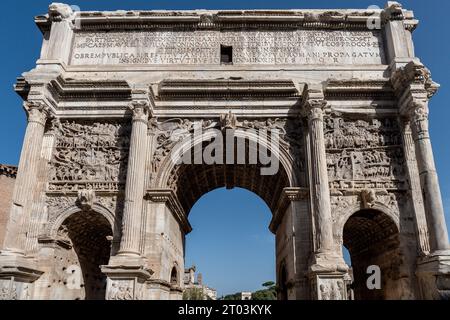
(38, 113)
(134, 188)
(320, 188)
(428, 177)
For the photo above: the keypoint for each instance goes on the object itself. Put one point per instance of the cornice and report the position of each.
(188, 89)
(355, 89)
(219, 20)
(89, 90)
(411, 83)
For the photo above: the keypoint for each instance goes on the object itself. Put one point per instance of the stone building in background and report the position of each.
(190, 283)
(101, 201)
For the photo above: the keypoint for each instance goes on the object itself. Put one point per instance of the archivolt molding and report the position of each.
(62, 207)
(343, 206)
(171, 139)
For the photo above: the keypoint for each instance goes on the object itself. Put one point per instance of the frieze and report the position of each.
(89, 156)
(363, 150)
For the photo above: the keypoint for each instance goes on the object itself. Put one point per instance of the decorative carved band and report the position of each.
(141, 110)
(323, 19)
(37, 111)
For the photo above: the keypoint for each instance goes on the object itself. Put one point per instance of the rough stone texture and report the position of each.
(7, 179)
(100, 207)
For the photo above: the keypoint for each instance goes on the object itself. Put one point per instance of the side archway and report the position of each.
(85, 240)
(373, 241)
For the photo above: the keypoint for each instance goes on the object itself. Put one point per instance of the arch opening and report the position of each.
(191, 179)
(372, 240)
(90, 235)
(231, 245)
(174, 277)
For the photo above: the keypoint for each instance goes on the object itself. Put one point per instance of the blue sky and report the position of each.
(230, 244)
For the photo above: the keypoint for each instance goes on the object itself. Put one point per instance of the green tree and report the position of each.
(269, 293)
(193, 294)
(234, 296)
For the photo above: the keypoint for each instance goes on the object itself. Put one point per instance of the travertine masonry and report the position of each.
(100, 208)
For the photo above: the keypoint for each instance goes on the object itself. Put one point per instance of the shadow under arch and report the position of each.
(191, 181)
(87, 234)
(372, 239)
(55, 224)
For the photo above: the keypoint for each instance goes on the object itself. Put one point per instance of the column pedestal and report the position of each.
(17, 277)
(127, 278)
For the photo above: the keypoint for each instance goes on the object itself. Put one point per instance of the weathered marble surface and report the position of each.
(97, 192)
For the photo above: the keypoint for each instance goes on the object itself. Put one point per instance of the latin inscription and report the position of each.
(249, 47)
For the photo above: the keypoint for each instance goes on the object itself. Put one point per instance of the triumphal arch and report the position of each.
(336, 100)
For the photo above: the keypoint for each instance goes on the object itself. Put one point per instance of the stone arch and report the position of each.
(174, 277)
(55, 223)
(168, 165)
(344, 213)
(188, 182)
(87, 236)
(372, 237)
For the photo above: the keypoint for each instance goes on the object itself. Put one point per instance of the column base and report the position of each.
(127, 278)
(327, 262)
(433, 272)
(17, 277)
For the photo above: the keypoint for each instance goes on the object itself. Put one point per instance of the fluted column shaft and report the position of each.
(413, 174)
(428, 178)
(26, 176)
(320, 187)
(134, 188)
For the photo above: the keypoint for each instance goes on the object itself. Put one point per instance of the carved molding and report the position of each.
(37, 111)
(413, 81)
(218, 20)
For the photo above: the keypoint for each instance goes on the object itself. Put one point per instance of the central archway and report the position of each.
(180, 179)
(230, 245)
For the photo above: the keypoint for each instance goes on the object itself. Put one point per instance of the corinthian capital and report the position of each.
(419, 118)
(314, 109)
(141, 110)
(414, 74)
(37, 111)
(419, 110)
